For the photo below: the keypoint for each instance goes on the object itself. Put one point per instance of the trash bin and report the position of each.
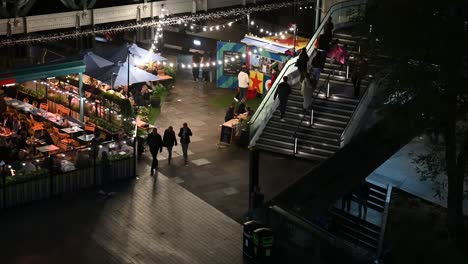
(263, 243)
(248, 246)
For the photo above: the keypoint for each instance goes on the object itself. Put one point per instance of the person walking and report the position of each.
(169, 141)
(196, 59)
(155, 143)
(328, 28)
(359, 71)
(301, 63)
(185, 133)
(283, 91)
(206, 61)
(243, 80)
(307, 91)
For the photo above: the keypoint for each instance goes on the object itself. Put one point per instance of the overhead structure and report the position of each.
(120, 74)
(94, 62)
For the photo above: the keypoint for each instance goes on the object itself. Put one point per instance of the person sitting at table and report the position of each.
(230, 112)
(46, 137)
(15, 124)
(5, 120)
(250, 112)
(241, 107)
(145, 93)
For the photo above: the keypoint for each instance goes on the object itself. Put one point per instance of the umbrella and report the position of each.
(120, 71)
(138, 55)
(94, 62)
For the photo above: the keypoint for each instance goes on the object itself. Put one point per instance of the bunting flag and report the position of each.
(256, 82)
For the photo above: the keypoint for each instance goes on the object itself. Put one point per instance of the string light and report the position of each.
(164, 20)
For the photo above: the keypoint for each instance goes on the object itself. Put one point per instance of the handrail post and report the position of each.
(347, 71)
(328, 89)
(311, 116)
(295, 144)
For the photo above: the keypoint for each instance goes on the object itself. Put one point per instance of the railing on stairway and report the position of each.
(354, 122)
(383, 226)
(318, 93)
(342, 13)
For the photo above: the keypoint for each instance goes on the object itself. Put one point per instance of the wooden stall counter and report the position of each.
(229, 129)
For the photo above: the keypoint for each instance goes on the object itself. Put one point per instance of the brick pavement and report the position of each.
(147, 221)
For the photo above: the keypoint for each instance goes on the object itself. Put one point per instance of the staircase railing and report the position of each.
(342, 13)
(318, 92)
(354, 122)
(383, 226)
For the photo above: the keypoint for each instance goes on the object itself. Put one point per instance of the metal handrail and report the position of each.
(327, 83)
(310, 48)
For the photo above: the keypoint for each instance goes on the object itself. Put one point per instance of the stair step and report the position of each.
(289, 144)
(319, 124)
(321, 117)
(321, 109)
(306, 130)
(274, 149)
(310, 156)
(364, 226)
(316, 138)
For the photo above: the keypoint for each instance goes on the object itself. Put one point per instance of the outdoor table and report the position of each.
(6, 132)
(86, 138)
(72, 130)
(47, 148)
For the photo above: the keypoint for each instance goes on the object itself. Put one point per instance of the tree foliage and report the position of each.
(426, 42)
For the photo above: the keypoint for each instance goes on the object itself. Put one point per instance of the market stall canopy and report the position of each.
(41, 72)
(288, 40)
(138, 55)
(265, 44)
(117, 75)
(94, 62)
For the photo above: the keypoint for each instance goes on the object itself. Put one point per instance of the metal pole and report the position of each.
(80, 88)
(294, 39)
(3, 185)
(128, 69)
(347, 71)
(328, 89)
(312, 117)
(317, 14)
(248, 23)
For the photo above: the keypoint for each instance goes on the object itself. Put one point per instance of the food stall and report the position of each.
(266, 57)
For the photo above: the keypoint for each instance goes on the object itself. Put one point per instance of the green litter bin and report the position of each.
(248, 246)
(263, 241)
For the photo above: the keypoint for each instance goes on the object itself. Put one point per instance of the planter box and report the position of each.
(73, 181)
(22, 193)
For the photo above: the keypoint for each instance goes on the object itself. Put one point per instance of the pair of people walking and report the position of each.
(156, 144)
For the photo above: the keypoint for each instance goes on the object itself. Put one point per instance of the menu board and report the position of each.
(232, 63)
(226, 135)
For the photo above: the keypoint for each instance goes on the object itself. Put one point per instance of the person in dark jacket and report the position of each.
(169, 141)
(241, 107)
(359, 71)
(185, 133)
(230, 112)
(301, 63)
(155, 143)
(283, 92)
(328, 29)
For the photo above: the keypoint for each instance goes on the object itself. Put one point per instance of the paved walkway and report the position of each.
(147, 221)
(218, 175)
